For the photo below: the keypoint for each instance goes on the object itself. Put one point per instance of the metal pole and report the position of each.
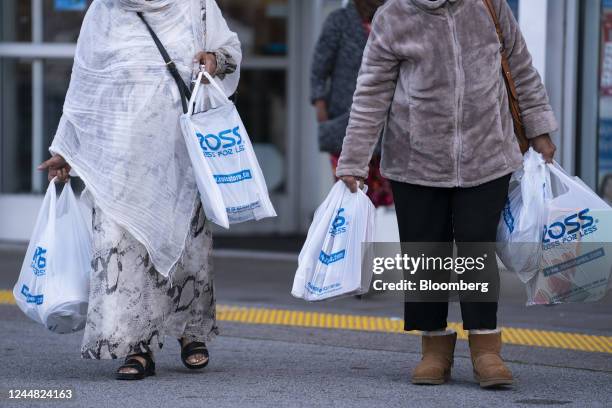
(37, 99)
(569, 140)
(589, 118)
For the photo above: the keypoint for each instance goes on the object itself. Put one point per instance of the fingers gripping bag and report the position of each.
(53, 285)
(576, 261)
(520, 230)
(330, 262)
(231, 184)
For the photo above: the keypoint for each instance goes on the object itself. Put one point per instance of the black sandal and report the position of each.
(193, 348)
(143, 371)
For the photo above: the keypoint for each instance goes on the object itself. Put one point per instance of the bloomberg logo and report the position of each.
(571, 228)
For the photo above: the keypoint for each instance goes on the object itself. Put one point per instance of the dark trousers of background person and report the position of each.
(433, 214)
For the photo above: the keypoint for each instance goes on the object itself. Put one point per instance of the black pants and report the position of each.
(432, 214)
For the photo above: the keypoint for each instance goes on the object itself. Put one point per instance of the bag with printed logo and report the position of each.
(232, 186)
(53, 286)
(576, 261)
(330, 262)
(519, 232)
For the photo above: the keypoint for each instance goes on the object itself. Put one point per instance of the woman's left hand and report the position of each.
(209, 61)
(544, 145)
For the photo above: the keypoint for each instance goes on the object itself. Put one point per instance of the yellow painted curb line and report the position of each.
(6, 297)
(281, 317)
(522, 337)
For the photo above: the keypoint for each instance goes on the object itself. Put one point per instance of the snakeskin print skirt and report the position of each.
(132, 307)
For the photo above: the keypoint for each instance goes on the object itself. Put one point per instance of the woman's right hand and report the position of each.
(353, 183)
(57, 167)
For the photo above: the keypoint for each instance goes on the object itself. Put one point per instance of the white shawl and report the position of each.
(120, 126)
(144, 6)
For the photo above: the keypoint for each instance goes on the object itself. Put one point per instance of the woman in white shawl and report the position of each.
(120, 133)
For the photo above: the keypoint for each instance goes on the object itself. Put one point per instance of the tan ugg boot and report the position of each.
(489, 368)
(437, 360)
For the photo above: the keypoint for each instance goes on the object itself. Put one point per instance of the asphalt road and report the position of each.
(263, 365)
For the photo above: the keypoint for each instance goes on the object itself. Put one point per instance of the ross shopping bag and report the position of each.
(330, 262)
(520, 229)
(576, 260)
(53, 285)
(231, 184)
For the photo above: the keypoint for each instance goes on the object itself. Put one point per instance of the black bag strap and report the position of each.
(183, 88)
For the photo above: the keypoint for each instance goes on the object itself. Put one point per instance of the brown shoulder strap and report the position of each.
(515, 110)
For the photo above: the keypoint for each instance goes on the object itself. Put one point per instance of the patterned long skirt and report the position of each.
(132, 307)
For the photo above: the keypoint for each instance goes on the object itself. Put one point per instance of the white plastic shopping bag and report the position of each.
(330, 263)
(576, 258)
(53, 286)
(231, 184)
(520, 230)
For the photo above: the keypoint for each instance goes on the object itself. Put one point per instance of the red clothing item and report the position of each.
(379, 188)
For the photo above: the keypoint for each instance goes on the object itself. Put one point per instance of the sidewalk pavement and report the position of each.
(310, 363)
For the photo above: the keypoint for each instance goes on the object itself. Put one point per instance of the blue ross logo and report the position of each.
(233, 178)
(36, 299)
(224, 140)
(39, 261)
(331, 258)
(338, 224)
(580, 223)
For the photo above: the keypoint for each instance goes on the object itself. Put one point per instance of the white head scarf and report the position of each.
(120, 128)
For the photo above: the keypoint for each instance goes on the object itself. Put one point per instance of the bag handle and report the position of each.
(197, 87)
(515, 110)
(52, 214)
(564, 178)
(183, 88)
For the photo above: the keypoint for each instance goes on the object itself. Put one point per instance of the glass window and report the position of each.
(62, 19)
(15, 126)
(262, 103)
(57, 78)
(15, 20)
(605, 105)
(260, 24)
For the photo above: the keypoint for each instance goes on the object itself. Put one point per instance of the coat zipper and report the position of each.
(459, 90)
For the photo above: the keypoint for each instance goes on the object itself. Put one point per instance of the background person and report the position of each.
(432, 72)
(120, 132)
(333, 78)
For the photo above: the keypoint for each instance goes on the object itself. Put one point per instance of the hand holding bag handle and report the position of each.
(196, 89)
(515, 110)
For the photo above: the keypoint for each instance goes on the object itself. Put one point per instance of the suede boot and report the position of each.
(437, 360)
(489, 368)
